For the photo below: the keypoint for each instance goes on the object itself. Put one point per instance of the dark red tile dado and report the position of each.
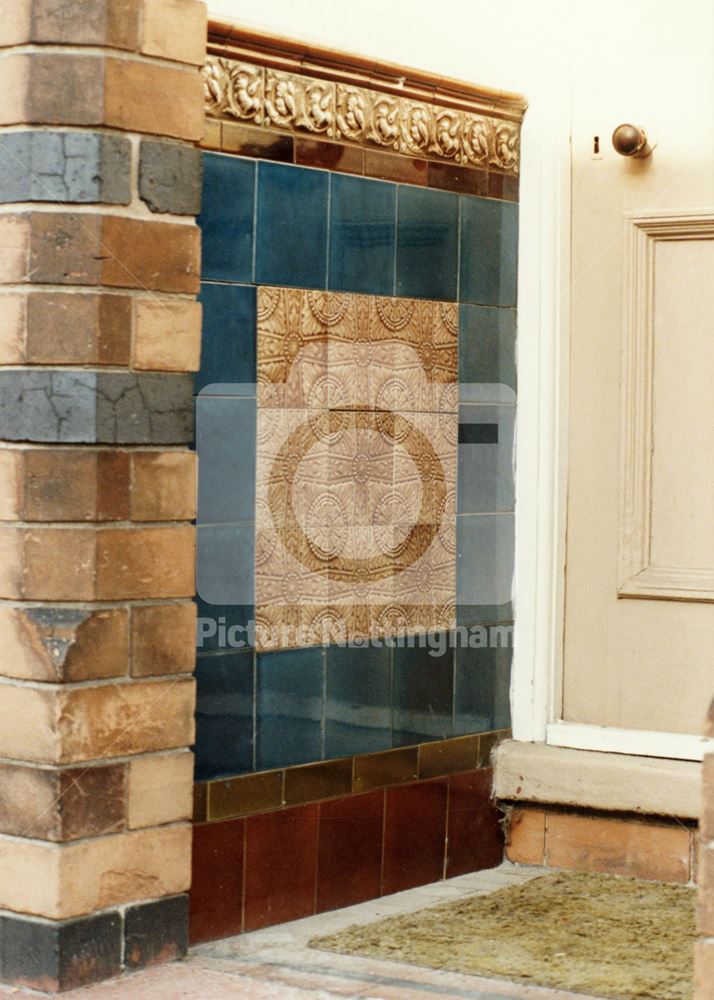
(280, 867)
(215, 901)
(475, 838)
(414, 835)
(349, 862)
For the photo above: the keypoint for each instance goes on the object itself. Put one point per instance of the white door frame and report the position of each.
(542, 449)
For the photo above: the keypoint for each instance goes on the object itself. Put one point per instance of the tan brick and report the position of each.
(107, 564)
(167, 335)
(526, 836)
(160, 100)
(211, 138)
(146, 562)
(163, 486)
(51, 484)
(69, 880)
(160, 789)
(69, 725)
(77, 329)
(60, 805)
(63, 644)
(706, 823)
(91, 22)
(61, 248)
(636, 848)
(13, 325)
(75, 485)
(163, 639)
(704, 970)
(705, 914)
(175, 29)
(62, 88)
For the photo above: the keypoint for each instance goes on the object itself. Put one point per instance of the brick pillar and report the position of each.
(705, 948)
(100, 108)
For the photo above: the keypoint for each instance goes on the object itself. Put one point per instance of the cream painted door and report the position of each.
(639, 587)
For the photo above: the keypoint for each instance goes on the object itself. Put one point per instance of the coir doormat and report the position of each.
(596, 934)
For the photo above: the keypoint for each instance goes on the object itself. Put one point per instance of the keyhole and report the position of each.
(596, 144)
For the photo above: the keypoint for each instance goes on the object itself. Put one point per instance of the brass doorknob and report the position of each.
(631, 140)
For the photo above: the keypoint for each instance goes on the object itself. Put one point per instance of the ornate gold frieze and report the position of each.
(341, 111)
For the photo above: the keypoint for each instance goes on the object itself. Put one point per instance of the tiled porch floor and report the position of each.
(276, 962)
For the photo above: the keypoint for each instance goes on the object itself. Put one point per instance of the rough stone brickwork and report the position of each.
(101, 105)
(704, 963)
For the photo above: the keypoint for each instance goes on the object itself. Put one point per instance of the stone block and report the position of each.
(65, 167)
(96, 407)
(163, 639)
(61, 805)
(160, 789)
(170, 177)
(156, 932)
(92, 22)
(69, 725)
(59, 955)
(163, 486)
(175, 29)
(61, 881)
(61, 644)
(167, 334)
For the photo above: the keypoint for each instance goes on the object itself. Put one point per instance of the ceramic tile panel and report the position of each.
(351, 493)
(226, 219)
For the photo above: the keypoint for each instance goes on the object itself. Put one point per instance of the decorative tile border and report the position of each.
(273, 99)
(246, 794)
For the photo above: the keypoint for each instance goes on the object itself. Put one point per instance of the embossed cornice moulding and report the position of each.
(276, 83)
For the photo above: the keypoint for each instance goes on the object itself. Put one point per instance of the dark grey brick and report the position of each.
(170, 177)
(96, 407)
(65, 166)
(156, 932)
(59, 955)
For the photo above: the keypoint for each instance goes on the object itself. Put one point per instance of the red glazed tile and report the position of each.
(349, 860)
(281, 856)
(414, 835)
(215, 901)
(475, 838)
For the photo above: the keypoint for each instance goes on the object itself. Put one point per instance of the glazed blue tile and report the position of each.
(358, 716)
(427, 243)
(226, 445)
(482, 684)
(226, 218)
(489, 251)
(228, 341)
(484, 559)
(224, 626)
(362, 235)
(225, 561)
(484, 614)
(422, 692)
(289, 707)
(224, 715)
(487, 354)
(485, 459)
(291, 243)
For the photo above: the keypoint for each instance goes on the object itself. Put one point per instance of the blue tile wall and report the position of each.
(358, 716)
(363, 229)
(224, 714)
(291, 221)
(427, 243)
(489, 242)
(271, 223)
(422, 694)
(487, 354)
(228, 355)
(227, 218)
(289, 707)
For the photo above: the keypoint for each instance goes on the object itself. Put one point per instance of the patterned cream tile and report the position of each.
(292, 345)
